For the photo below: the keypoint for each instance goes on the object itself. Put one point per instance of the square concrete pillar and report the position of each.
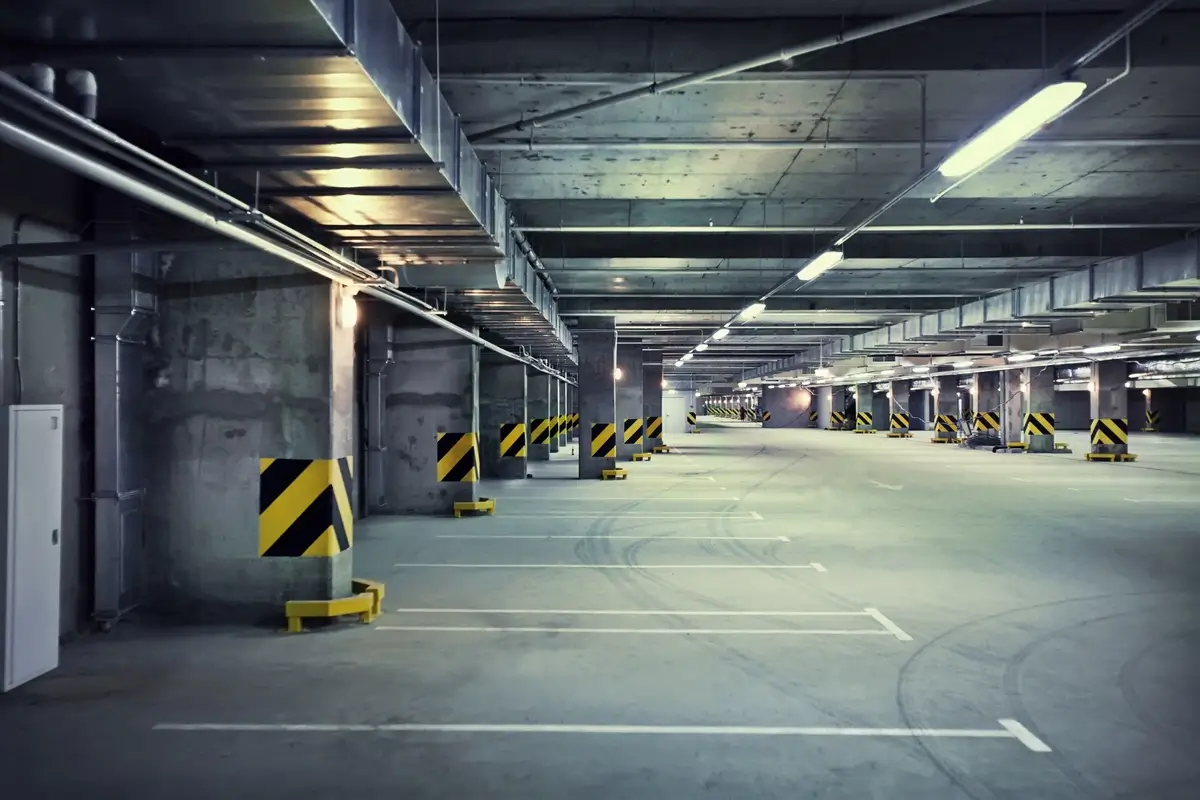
(1015, 405)
(986, 402)
(561, 418)
(899, 414)
(250, 437)
(537, 407)
(1110, 407)
(555, 413)
(1039, 392)
(597, 341)
(572, 408)
(629, 398)
(824, 406)
(432, 389)
(864, 402)
(945, 404)
(652, 392)
(502, 394)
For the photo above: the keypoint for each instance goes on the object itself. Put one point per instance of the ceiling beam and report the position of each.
(532, 145)
(617, 304)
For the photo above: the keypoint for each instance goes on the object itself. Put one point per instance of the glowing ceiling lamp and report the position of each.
(1017, 358)
(820, 264)
(1100, 349)
(753, 310)
(1020, 123)
(700, 348)
(721, 334)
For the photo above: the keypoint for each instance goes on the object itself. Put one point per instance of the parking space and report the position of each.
(813, 614)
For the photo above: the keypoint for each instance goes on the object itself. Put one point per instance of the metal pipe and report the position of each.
(823, 43)
(335, 268)
(513, 146)
(500, 79)
(818, 229)
(532, 257)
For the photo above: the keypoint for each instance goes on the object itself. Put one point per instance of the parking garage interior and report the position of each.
(601, 399)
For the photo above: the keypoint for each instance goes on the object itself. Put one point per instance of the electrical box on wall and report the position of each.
(31, 545)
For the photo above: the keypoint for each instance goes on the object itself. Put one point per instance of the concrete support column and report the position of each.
(572, 408)
(824, 406)
(986, 402)
(561, 418)
(502, 387)
(1039, 391)
(652, 392)
(1110, 407)
(629, 396)
(1015, 396)
(898, 404)
(254, 399)
(433, 388)
(597, 390)
(537, 407)
(945, 402)
(555, 412)
(864, 401)
(1150, 417)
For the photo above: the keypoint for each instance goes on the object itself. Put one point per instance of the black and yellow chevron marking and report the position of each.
(653, 427)
(562, 425)
(555, 427)
(766, 416)
(633, 431)
(539, 431)
(864, 419)
(1110, 431)
(900, 422)
(575, 421)
(604, 440)
(1039, 424)
(512, 440)
(837, 418)
(813, 416)
(304, 506)
(691, 418)
(458, 458)
(946, 423)
(987, 421)
(1151, 419)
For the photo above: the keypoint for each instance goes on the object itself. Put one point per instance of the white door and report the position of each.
(34, 563)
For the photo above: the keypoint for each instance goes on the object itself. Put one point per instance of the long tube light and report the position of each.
(820, 264)
(1018, 358)
(720, 334)
(700, 348)
(1100, 349)
(1020, 123)
(688, 356)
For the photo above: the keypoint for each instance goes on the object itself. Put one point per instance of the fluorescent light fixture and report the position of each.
(742, 385)
(1020, 123)
(1101, 349)
(665, 384)
(721, 334)
(887, 372)
(820, 264)
(688, 356)
(920, 370)
(700, 348)
(618, 373)
(963, 364)
(1017, 358)
(1198, 337)
(679, 363)
(1047, 352)
(823, 372)
(753, 310)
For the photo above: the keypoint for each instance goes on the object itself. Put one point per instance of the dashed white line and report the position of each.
(756, 516)
(1024, 736)
(891, 627)
(819, 567)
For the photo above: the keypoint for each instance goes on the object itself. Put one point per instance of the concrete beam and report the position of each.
(589, 46)
(619, 304)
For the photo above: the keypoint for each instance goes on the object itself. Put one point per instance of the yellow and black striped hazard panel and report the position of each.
(838, 417)
(304, 506)
(865, 418)
(987, 421)
(814, 415)
(539, 431)
(653, 427)
(458, 458)
(766, 417)
(512, 440)
(1110, 431)
(632, 431)
(900, 421)
(1151, 419)
(604, 439)
(946, 423)
(575, 421)
(555, 427)
(691, 417)
(562, 425)
(1039, 424)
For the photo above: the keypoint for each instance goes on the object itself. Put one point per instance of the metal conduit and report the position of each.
(810, 229)
(824, 43)
(333, 266)
(513, 146)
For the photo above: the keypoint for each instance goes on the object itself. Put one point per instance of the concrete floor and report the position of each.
(1044, 590)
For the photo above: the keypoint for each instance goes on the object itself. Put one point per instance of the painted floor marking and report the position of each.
(756, 516)
(1188, 500)
(627, 515)
(889, 626)
(647, 631)
(673, 498)
(635, 612)
(886, 486)
(585, 536)
(1010, 729)
(813, 566)
(1023, 480)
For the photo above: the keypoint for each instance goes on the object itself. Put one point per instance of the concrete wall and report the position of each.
(254, 367)
(54, 347)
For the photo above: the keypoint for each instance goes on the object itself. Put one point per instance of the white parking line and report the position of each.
(672, 498)
(625, 515)
(649, 631)
(891, 627)
(756, 516)
(634, 612)
(1011, 729)
(585, 536)
(813, 566)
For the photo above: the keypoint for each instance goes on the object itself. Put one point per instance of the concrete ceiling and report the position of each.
(674, 211)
